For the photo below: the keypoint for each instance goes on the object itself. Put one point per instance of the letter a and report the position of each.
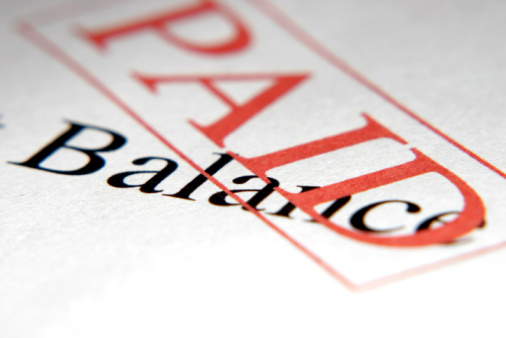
(149, 186)
(238, 115)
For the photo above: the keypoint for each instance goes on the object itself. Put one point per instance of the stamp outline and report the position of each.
(27, 29)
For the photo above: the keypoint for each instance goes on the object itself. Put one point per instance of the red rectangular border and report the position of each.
(27, 29)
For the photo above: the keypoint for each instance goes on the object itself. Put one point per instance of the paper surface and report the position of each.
(251, 168)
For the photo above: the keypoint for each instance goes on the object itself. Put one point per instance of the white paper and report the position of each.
(91, 247)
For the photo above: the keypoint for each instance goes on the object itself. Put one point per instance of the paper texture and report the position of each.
(251, 168)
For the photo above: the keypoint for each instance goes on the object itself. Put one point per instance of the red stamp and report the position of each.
(386, 192)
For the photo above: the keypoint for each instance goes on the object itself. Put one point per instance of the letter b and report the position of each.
(95, 162)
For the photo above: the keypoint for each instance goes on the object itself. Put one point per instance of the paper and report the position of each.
(251, 168)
